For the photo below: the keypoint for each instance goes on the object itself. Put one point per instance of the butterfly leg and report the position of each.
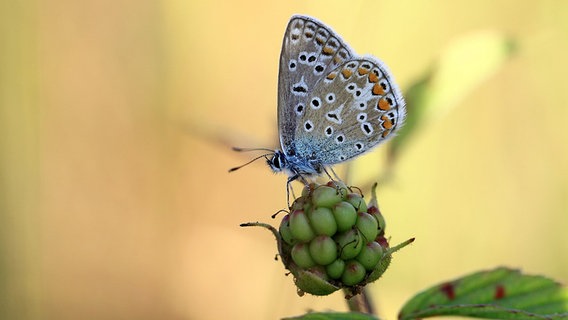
(289, 187)
(335, 174)
(337, 181)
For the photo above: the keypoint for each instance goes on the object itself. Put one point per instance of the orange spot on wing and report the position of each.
(373, 78)
(387, 123)
(328, 51)
(383, 105)
(331, 76)
(337, 59)
(346, 73)
(378, 90)
(386, 133)
(363, 71)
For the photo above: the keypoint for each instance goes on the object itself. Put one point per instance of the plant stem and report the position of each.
(361, 302)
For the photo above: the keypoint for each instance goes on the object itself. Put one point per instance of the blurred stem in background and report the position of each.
(19, 165)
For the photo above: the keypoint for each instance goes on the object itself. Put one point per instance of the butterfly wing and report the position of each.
(353, 108)
(310, 50)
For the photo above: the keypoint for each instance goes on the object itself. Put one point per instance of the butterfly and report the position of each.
(333, 105)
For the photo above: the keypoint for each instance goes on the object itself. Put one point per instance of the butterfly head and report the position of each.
(293, 165)
(278, 161)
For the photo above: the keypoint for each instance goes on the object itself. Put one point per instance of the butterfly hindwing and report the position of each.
(351, 109)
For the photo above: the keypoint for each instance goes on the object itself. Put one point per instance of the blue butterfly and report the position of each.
(333, 105)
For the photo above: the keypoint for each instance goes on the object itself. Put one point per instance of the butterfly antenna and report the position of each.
(252, 149)
(253, 160)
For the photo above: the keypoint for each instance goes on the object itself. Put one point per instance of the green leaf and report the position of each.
(501, 293)
(386, 260)
(334, 316)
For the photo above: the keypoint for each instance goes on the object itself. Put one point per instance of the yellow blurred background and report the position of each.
(115, 124)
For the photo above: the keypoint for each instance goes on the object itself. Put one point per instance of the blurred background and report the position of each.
(116, 120)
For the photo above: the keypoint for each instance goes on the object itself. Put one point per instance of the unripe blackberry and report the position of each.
(350, 243)
(345, 215)
(332, 239)
(331, 232)
(324, 196)
(380, 219)
(323, 250)
(285, 230)
(300, 226)
(370, 255)
(357, 201)
(368, 226)
(323, 221)
(298, 204)
(335, 269)
(301, 256)
(353, 274)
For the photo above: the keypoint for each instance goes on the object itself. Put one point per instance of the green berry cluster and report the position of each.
(331, 239)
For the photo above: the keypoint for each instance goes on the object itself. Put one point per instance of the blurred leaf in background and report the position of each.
(19, 161)
(461, 68)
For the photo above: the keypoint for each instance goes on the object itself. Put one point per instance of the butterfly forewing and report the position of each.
(351, 109)
(310, 50)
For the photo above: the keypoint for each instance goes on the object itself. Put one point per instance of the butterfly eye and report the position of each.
(276, 161)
